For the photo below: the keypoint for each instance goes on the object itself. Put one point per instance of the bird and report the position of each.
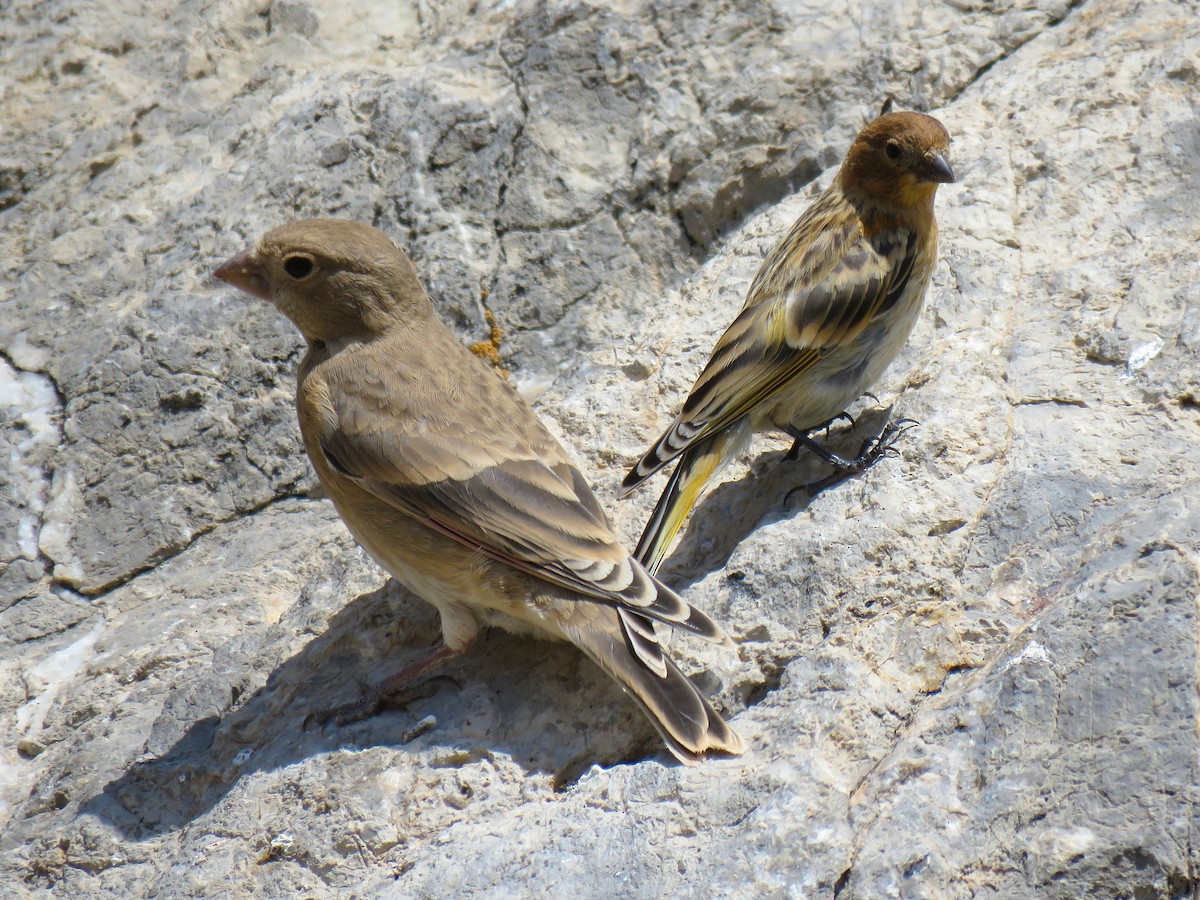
(829, 308)
(450, 482)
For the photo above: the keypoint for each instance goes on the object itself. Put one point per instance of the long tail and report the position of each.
(670, 444)
(696, 466)
(689, 725)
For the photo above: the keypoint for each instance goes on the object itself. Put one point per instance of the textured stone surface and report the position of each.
(971, 672)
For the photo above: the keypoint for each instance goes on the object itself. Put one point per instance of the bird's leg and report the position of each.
(802, 439)
(806, 441)
(871, 452)
(381, 694)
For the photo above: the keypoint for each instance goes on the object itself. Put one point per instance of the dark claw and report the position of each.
(884, 445)
(787, 498)
(870, 453)
(813, 488)
(842, 415)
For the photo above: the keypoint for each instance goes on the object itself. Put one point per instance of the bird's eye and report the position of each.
(298, 267)
(892, 149)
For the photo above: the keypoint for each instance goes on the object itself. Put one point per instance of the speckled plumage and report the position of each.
(451, 483)
(830, 308)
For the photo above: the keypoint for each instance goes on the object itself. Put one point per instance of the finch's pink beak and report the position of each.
(245, 271)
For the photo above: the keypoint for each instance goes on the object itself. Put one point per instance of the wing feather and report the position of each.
(803, 302)
(498, 483)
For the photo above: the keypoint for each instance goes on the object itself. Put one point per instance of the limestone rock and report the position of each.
(970, 672)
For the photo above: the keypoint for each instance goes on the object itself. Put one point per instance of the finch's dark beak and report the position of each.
(245, 271)
(937, 167)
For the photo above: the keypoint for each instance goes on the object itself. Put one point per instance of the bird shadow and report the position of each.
(773, 489)
(544, 704)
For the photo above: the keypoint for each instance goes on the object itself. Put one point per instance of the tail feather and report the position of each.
(641, 639)
(657, 535)
(689, 725)
(697, 465)
(670, 444)
(652, 599)
(688, 618)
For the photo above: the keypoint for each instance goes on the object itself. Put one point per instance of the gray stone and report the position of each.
(969, 672)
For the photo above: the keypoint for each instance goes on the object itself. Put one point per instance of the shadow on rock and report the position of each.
(541, 703)
(775, 488)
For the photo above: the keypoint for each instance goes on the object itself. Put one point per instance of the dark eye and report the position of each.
(298, 267)
(892, 149)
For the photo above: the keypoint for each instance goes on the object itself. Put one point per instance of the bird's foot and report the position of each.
(396, 690)
(884, 445)
(842, 415)
(870, 453)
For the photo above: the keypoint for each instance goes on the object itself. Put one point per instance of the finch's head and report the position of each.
(334, 278)
(901, 158)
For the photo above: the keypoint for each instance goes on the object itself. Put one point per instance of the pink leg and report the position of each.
(393, 684)
(379, 694)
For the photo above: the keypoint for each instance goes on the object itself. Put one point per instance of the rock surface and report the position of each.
(971, 672)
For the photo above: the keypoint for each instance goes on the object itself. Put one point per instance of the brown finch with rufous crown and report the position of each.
(829, 309)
